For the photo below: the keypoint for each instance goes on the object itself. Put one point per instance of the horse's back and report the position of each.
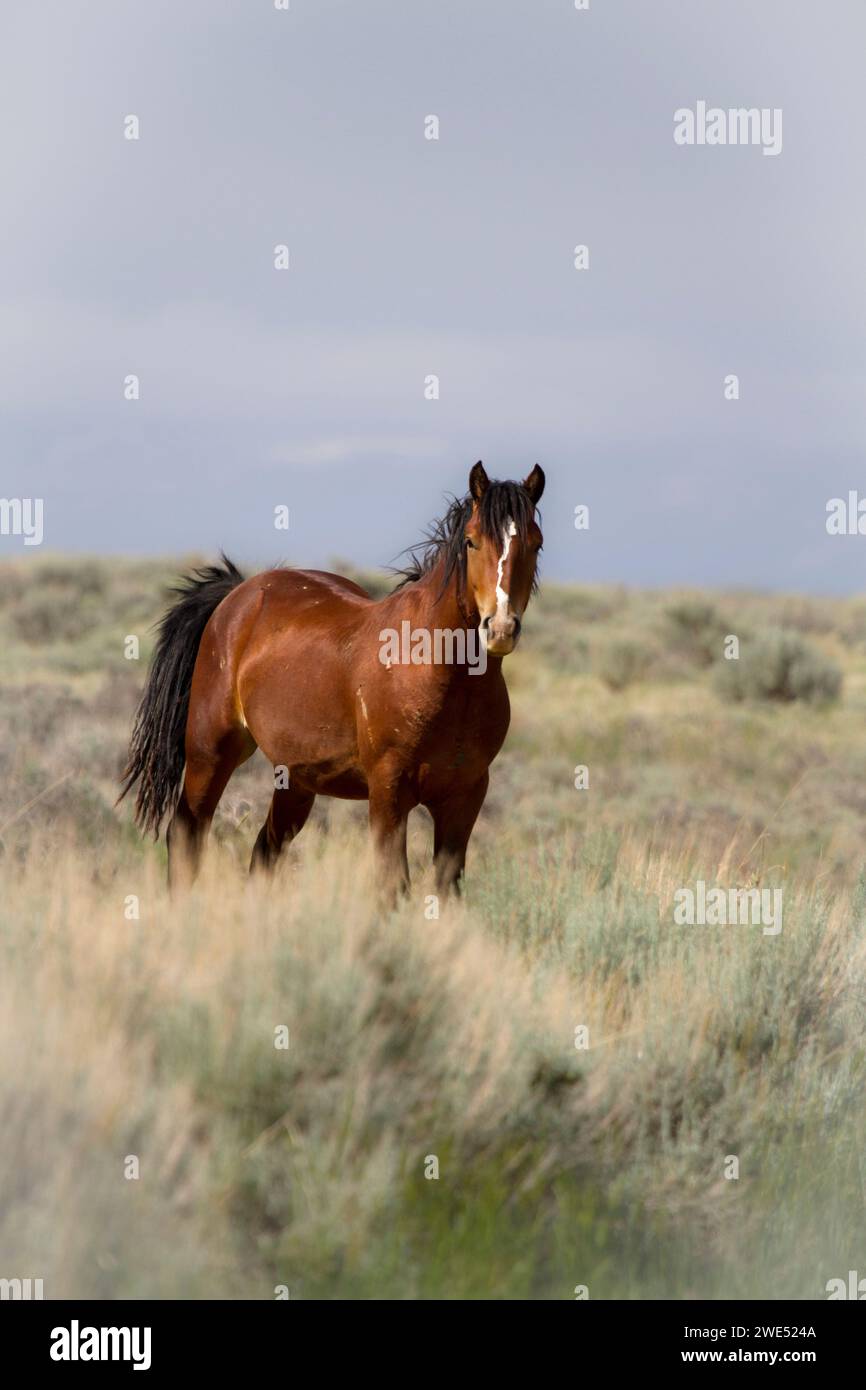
(336, 584)
(307, 586)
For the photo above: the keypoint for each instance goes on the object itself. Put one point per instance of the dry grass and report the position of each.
(156, 1037)
(452, 1038)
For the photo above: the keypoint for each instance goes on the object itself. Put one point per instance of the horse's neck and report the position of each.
(439, 609)
(444, 605)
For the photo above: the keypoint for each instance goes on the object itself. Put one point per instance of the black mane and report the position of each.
(500, 504)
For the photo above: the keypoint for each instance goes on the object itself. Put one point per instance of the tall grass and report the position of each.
(414, 1042)
(410, 1040)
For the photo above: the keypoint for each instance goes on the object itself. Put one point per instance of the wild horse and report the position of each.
(295, 662)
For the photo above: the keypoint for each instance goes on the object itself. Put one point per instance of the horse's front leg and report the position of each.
(390, 805)
(453, 820)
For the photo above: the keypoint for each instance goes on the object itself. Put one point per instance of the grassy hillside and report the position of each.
(411, 1040)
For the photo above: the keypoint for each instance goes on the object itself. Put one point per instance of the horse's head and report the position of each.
(502, 540)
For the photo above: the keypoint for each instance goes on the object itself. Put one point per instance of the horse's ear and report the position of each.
(478, 481)
(534, 484)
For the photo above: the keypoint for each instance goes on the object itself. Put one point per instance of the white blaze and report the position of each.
(501, 595)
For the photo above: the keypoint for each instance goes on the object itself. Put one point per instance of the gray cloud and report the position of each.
(453, 257)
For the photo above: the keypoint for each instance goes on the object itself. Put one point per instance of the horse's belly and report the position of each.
(349, 784)
(300, 722)
(319, 758)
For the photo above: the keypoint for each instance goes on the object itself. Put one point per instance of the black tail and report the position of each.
(156, 750)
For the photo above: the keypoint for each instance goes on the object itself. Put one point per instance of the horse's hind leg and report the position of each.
(205, 780)
(286, 818)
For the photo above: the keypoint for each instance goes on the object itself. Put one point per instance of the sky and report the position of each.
(454, 258)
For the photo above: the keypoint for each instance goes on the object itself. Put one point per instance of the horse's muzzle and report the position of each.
(499, 635)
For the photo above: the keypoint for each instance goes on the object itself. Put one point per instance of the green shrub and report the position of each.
(623, 661)
(50, 615)
(73, 576)
(580, 605)
(780, 665)
(695, 629)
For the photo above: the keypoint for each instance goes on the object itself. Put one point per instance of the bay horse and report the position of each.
(293, 662)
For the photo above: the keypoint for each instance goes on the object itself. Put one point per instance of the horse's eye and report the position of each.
(470, 543)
